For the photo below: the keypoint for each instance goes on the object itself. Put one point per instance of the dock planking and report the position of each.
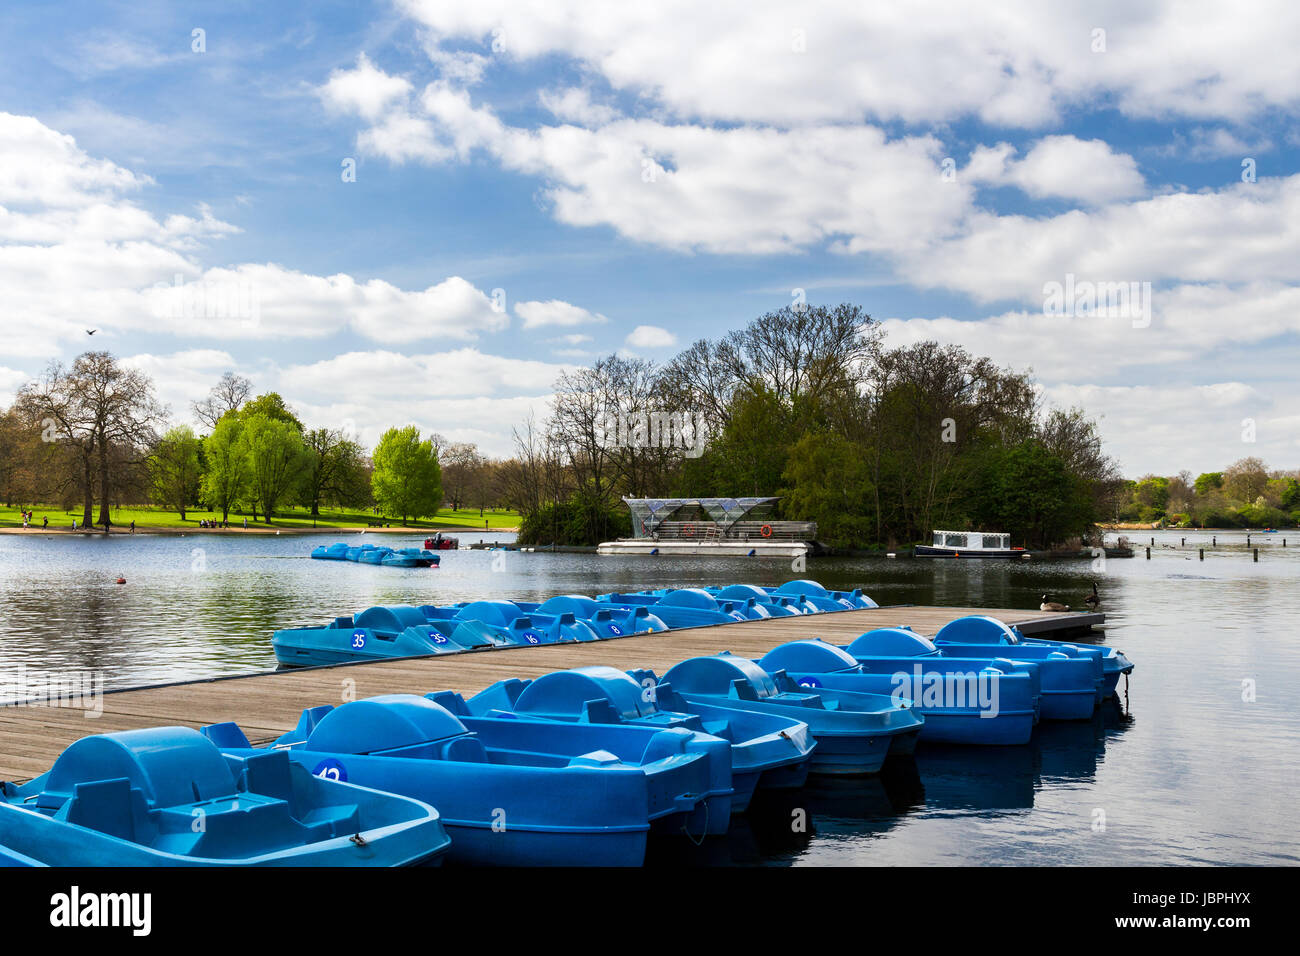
(268, 704)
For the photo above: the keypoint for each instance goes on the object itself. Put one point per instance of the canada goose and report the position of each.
(1052, 605)
(1093, 600)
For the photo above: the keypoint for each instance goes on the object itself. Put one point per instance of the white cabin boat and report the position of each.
(969, 544)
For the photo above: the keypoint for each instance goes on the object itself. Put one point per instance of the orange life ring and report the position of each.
(689, 530)
(766, 531)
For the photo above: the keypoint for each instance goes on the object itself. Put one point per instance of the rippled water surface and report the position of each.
(1190, 773)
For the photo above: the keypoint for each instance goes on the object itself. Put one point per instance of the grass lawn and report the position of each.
(146, 517)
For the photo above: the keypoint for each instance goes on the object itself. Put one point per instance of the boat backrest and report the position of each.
(977, 629)
(168, 765)
(390, 619)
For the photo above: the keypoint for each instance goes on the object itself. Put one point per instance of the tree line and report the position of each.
(1247, 494)
(879, 445)
(93, 434)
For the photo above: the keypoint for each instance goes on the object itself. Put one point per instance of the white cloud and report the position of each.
(1024, 64)
(40, 166)
(574, 104)
(365, 90)
(1147, 428)
(182, 377)
(1187, 323)
(555, 313)
(1063, 167)
(72, 246)
(651, 337)
(465, 394)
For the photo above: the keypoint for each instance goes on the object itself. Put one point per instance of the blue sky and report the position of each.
(540, 183)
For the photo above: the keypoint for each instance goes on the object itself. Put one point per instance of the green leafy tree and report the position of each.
(225, 482)
(1209, 481)
(174, 475)
(336, 470)
(406, 479)
(272, 406)
(277, 460)
(1027, 491)
(830, 483)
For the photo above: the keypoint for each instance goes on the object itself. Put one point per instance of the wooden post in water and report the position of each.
(1202, 554)
(1153, 542)
(1214, 541)
(1148, 554)
(1257, 555)
(1182, 542)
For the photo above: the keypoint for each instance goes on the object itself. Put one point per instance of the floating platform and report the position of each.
(268, 704)
(721, 549)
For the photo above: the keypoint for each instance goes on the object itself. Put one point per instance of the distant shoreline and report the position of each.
(259, 529)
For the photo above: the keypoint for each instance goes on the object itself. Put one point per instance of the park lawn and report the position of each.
(298, 518)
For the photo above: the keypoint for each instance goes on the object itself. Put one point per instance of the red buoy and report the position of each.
(121, 580)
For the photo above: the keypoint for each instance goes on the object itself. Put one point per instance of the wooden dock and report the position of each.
(266, 705)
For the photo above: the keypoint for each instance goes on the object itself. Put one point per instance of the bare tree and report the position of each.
(228, 395)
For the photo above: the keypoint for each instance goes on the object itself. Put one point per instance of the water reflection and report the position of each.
(1186, 768)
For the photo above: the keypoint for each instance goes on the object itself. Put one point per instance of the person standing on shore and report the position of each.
(74, 524)
(133, 526)
(45, 522)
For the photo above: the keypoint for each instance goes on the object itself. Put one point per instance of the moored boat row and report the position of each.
(576, 767)
(377, 554)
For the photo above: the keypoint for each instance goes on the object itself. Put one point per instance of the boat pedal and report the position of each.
(358, 839)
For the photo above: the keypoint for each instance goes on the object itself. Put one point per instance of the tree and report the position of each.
(1028, 492)
(1246, 479)
(406, 480)
(1209, 481)
(174, 469)
(829, 482)
(103, 412)
(226, 480)
(228, 395)
(273, 406)
(276, 459)
(459, 461)
(336, 469)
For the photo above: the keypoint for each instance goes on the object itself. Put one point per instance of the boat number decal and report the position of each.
(614, 629)
(437, 638)
(530, 637)
(648, 692)
(809, 682)
(358, 639)
(331, 770)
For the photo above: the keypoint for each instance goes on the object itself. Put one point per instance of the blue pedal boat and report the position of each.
(509, 621)
(378, 633)
(749, 606)
(685, 607)
(411, 558)
(761, 746)
(167, 796)
(331, 552)
(963, 702)
(1069, 683)
(981, 630)
(777, 606)
(854, 732)
(606, 620)
(509, 792)
(822, 599)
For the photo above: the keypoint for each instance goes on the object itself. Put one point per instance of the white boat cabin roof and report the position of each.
(972, 539)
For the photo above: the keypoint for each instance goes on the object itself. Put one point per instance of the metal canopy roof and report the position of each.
(649, 513)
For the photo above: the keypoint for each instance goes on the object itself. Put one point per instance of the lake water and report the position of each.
(1189, 772)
